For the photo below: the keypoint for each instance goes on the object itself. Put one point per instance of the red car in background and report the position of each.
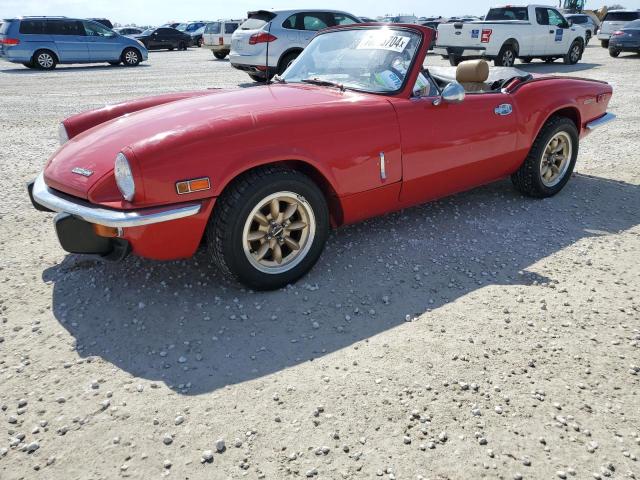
(356, 127)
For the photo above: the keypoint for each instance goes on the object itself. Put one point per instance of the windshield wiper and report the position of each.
(324, 83)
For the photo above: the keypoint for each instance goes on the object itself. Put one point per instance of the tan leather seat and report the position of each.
(473, 74)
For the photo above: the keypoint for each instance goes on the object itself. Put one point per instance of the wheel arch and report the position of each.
(130, 47)
(570, 112)
(313, 172)
(512, 42)
(48, 49)
(297, 50)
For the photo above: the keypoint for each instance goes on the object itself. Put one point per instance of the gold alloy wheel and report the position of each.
(556, 159)
(279, 232)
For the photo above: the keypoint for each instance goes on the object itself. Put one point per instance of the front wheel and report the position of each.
(268, 228)
(605, 43)
(551, 160)
(573, 55)
(44, 60)
(614, 53)
(220, 55)
(131, 57)
(182, 46)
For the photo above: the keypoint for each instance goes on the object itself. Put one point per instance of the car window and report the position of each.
(4, 28)
(148, 31)
(290, 23)
(578, 20)
(257, 20)
(542, 16)
(341, 19)
(194, 26)
(93, 29)
(166, 31)
(213, 27)
(64, 27)
(508, 13)
(315, 21)
(230, 27)
(33, 27)
(555, 18)
(621, 16)
(182, 27)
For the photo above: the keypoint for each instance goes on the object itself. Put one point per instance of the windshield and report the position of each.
(376, 61)
(257, 20)
(148, 31)
(182, 27)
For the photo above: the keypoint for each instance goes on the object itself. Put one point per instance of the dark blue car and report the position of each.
(626, 39)
(43, 42)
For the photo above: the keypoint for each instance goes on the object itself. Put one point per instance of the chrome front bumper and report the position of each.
(599, 122)
(59, 202)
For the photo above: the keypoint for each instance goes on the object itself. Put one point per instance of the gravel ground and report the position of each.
(482, 336)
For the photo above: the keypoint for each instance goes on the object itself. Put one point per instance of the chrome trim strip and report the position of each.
(599, 122)
(59, 202)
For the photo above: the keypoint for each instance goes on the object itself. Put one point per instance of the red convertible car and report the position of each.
(356, 127)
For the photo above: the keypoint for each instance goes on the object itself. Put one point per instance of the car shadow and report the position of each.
(69, 68)
(183, 324)
(538, 66)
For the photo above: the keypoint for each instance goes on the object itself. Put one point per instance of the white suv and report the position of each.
(613, 21)
(217, 36)
(269, 41)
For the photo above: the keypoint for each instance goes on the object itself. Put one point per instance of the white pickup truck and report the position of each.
(510, 32)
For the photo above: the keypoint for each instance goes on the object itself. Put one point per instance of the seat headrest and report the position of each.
(472, 71)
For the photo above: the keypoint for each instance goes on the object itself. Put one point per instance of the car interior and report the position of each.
(476, 76)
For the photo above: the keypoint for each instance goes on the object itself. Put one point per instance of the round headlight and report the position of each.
(124, 177)
(62, 134)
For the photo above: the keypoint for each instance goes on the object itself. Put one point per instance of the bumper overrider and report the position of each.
(83, 227)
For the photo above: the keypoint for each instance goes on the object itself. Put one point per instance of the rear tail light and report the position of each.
(618, 33)
(486, 35)
(9, 41)
(221, 41)
(263, 37)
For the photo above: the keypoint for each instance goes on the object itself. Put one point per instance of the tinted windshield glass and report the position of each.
(212, 28)
(508, 13)
(633, 25)
(371, 60)
(257, 20)
(182, 27)
(148, 31)
(578, 19)
(621, 16)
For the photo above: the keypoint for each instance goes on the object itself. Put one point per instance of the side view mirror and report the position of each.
(452, 93)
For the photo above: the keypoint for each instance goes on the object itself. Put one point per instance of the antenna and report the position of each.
(267, 62)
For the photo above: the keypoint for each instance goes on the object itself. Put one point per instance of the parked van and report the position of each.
(217, 36)
(43, 42)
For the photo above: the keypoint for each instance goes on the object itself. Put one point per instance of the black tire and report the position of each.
(44, 60)
(171, 49)
(588, 37)
(454, 61)
(526, 60)
(182, 46)
(131, 57)
(29, 65)
(506, 57)
(528, 179)
(220, 55)
(225, 230)
(200, 42)
(549, 60)
(257, 78)
(614, 53)
(114, 63)
(574, 54)
(285, 61)
(604, 43)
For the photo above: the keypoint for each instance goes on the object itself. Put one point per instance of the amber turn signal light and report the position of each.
(191, 186)
(109, 232)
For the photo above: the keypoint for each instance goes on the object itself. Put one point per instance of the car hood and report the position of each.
(172, 127)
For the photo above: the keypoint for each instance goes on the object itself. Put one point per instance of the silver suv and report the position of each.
(615, 20)
(269, 41)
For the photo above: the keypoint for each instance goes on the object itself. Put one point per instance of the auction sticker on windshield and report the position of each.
(384, 41)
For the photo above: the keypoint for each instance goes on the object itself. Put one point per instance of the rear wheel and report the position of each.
(287, 60)
(268, 228)
(200, 42)
(526, 60)
(614, 53)
(182, 46)
(220, 55)
(551, 160)
(605, 43)
(29, 65)
(506, 57)
(131, 57)
(45, 60)
(257, 78)
(549, 60)
(573, 55)
(114, 63)
(454, 61)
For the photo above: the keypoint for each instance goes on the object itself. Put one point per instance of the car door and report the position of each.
(167, 38)
(450, 147)
(70, 40)
(103, 43)
(559, 37)
(541, 31)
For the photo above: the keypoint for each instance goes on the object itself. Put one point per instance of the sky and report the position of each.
(156, 12)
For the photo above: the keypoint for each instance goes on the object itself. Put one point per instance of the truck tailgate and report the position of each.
(471, 34)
